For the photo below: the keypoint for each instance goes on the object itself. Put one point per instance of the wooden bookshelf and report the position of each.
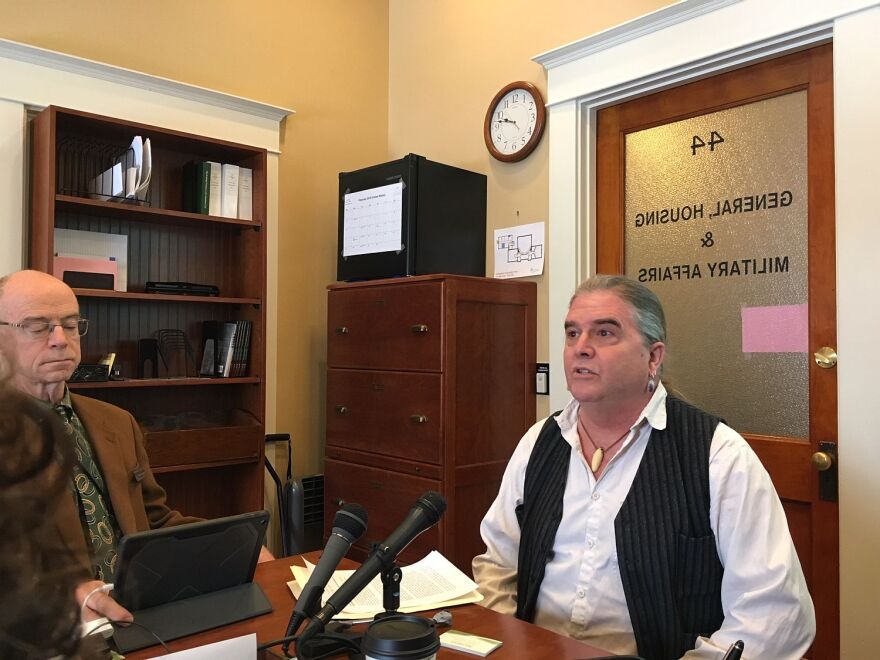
(205, 436)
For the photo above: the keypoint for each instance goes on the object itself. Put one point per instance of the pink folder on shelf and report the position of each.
(62, 264)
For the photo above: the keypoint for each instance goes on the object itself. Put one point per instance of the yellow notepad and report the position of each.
(462, 641)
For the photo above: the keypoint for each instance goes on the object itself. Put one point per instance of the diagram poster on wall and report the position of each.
(519, 251)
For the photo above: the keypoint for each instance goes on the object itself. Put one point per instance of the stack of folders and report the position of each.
(128, 179)
(227, 347)
(220, 189)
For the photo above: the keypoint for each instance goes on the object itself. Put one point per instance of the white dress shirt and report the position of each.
(763, 593)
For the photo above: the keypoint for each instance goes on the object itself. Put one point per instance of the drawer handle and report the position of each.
(341, 410)
(342, 330)
(419, 328)
(339, 502)
(418, 419)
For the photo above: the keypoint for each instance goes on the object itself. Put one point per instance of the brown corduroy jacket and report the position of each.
(138, 501)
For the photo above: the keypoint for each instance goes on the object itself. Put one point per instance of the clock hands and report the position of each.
(501, 118)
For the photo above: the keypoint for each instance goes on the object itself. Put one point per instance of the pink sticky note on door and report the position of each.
(776, 329)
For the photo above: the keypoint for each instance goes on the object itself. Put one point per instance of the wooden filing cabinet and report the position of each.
(430, 385)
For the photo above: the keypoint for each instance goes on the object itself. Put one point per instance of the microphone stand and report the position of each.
(391, 578)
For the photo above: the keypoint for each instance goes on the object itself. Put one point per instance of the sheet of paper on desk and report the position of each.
(237, 648)
(432, 583)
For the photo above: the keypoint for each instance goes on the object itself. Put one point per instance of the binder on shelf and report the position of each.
(203, 187)
(215, 183)
(229, 194)
(189, 185)
(245, 193)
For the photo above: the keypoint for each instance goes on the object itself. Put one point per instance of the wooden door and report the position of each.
(808, 496)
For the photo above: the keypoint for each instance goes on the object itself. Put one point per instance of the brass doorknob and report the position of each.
(341, 410)
(826, 357)
(822, 461)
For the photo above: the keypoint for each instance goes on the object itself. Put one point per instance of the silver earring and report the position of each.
(651, 384)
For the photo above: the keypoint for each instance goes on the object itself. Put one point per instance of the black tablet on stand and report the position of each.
(181, 580)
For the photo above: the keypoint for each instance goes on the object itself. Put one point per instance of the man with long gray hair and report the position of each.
(635, 521)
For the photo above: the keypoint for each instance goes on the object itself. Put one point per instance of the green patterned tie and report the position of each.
(96, 515)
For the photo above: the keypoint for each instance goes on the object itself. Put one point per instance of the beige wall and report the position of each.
(369, 80)
(328, 61)
(448, 58)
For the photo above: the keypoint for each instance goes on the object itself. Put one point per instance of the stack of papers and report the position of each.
(430, 584)
(129, 177)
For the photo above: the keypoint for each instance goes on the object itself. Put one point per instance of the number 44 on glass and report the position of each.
(698, 142)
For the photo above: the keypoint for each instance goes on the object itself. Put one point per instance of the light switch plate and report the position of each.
(542, 378)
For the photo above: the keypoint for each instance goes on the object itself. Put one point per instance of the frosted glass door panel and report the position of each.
(716, 225)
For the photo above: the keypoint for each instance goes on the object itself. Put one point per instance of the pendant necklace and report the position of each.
(599, 453)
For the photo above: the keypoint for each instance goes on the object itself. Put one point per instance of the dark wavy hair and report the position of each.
(39, 616)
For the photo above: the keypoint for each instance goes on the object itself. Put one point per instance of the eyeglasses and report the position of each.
(40, 329)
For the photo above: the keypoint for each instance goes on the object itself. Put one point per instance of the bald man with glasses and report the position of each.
(113, 491)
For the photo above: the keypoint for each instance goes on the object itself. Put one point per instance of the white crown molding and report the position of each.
(725, 61)
(633, 29)
(28, 54)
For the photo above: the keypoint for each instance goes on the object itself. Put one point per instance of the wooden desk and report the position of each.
(521, 639)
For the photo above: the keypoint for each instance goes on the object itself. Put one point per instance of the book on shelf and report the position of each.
(229, 194)
(241, 348)
(215, 184)
(245, 193)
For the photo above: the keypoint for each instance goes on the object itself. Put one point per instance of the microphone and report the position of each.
(349, 525)
(424, 514)
(735, 651)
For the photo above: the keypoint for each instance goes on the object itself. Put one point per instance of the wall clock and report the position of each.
(514, 121)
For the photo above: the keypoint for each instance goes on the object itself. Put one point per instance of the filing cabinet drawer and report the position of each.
(387, 497)
(391, 413)
(396, 327)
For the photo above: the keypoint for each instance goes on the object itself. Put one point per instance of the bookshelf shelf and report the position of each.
(165, 469)
(166, 382)
(164, 297)
(133, 212)
(206, 470)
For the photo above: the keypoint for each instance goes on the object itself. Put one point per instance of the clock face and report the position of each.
(514, 122)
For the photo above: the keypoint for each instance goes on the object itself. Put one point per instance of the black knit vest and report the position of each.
(668, 562)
